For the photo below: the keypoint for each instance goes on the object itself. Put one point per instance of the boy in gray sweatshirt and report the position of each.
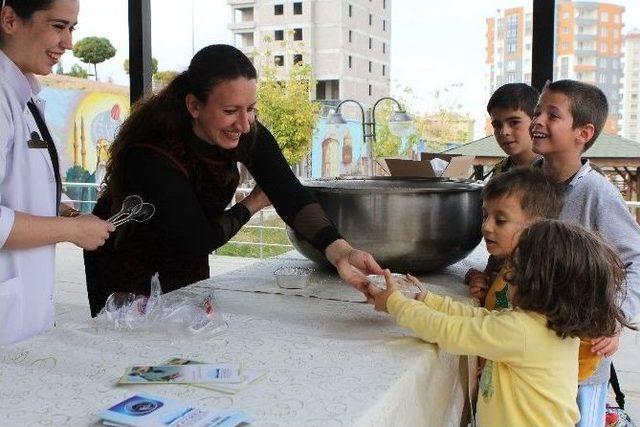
(567, 120)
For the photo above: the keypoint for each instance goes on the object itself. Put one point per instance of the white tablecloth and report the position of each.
(329, 363)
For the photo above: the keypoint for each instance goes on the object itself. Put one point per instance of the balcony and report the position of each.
(585, 51)
(240, 2)
(584, 68)
(586, 21)
(242, 25)
(585, 37)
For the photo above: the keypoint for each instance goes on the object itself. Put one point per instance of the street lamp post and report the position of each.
(400, 124)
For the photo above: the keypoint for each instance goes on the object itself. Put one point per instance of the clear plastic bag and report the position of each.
(180, 312)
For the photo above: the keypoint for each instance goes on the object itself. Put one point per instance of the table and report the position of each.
(328, 362)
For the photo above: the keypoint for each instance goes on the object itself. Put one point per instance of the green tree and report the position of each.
(387, 144)
(78, 71)
(163, 78)
(447, 123)
(444, 127)
(154, 65)
(94, 50)
(285, 108)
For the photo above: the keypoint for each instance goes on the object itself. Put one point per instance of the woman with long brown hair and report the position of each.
(179, 151)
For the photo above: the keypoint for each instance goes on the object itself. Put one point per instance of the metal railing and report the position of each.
(85, 195)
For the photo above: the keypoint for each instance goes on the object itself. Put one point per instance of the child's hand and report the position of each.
(420, 296)
(605, 346)
(478, 284)
(380, 296)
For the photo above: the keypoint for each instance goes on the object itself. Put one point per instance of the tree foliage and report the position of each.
(163, 78)
(94, 50)
(285, 108)
(387, 144)
(446, 123)
(154, 66)
(444, 127)
(78, 71)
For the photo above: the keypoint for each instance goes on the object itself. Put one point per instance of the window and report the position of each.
(384, 4)
(384, 25)
(350, 11)
(370, 90)
(512, 26)
(604, 16)
(370, 66)
(511, 65)
(384, 70)
(297, 58)
(528, 25)
(350, 62)
(297, 8)
(297, 34)
(278, 9)
(350, 36)
(278, 60)
(370, 42)
(604, 32)
(564, 67)
(384, 47)
(278, 35)
(603, 78)
(370, 19)
(616, 18)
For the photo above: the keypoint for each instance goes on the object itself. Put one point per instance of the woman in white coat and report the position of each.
(33, 36)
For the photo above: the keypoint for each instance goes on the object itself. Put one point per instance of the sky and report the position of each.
(435, 44)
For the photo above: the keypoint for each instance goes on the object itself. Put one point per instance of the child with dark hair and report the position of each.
(511, 109)
(556, 299)
(568, 118)
(511, 201)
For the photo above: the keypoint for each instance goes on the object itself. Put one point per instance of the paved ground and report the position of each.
(70, 281)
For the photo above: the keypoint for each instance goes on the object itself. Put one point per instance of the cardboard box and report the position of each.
(459, 167)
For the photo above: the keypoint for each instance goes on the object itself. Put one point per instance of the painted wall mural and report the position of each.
(84, 122)
(337, 150)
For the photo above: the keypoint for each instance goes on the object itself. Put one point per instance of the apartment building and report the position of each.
(631, 87)
(346, 42)
(588, 48)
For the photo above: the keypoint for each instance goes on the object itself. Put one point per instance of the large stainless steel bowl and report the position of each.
(410, 225)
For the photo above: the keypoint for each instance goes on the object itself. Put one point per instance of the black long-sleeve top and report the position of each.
(191, 218)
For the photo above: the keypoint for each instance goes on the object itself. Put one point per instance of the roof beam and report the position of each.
(140, 67)
(543, 38)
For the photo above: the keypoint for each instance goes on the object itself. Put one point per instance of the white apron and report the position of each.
(27, 184)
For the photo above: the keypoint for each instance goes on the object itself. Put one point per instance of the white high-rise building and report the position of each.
(631, 87)
(346, 42)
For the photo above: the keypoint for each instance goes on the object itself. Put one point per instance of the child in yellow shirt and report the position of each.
(511, 201)
(531, 375)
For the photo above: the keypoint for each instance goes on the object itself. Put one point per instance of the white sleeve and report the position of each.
(7, 215)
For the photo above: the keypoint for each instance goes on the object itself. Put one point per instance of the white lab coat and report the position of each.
(27, 184)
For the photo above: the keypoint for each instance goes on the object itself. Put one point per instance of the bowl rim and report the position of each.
(453, 185)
